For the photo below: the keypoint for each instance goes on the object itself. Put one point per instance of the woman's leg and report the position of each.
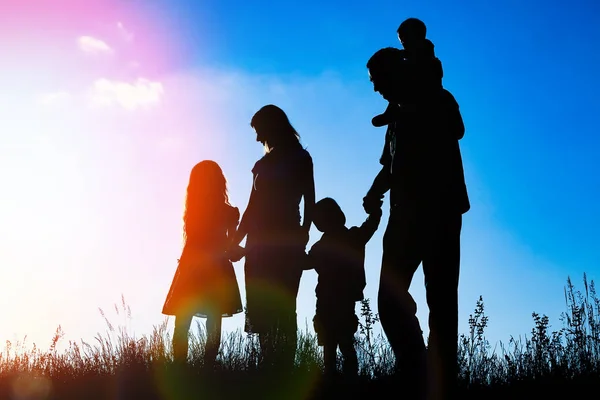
(287, 317)
(180, 337)
(268, 345)
(348, 351)
(213, 339)
(288, 338)
(330, 358)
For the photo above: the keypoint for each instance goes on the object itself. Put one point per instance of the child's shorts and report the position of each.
(335, 327)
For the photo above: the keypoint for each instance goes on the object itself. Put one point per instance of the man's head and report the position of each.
(328, 216)
(411, 30)
(390, 74)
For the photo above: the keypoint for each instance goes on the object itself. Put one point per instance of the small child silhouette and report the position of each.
(338, 258)
(419, 50)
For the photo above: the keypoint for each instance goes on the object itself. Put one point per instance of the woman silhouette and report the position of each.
(276, 239)
(204, 284)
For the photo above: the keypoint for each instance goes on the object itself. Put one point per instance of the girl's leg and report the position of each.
(213, 339)
(180, 337)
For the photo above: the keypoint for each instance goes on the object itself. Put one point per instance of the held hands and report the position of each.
(236, 253)
(372, 204)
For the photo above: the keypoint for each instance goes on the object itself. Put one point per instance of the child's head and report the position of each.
(207, 183)
(328, 216)
(206, 192)
(411, 30)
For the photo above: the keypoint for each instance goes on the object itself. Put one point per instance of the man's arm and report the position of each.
(374, 198)
(381, 183)
(452, 117)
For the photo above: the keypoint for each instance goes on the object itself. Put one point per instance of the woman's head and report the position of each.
(273, 128)
(206, 191)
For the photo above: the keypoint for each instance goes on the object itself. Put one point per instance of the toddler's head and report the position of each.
(328, 216)
(412, 32)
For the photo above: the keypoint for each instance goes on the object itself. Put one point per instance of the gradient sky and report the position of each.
(106, 106)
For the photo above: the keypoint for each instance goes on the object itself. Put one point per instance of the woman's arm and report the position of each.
(309, 196)
(242, 229)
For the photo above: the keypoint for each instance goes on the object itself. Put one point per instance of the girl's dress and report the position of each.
(205, 283)
(275, 250)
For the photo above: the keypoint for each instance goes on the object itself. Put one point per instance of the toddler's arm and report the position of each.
(369, 227)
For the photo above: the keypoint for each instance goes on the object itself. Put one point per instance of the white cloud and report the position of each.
(142, 92)
(94, 46)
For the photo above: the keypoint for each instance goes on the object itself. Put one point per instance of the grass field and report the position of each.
(117, 365)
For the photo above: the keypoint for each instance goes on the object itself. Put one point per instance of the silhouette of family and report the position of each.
(422, 169)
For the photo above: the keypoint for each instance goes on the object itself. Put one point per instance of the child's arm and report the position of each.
(232, 223)
(369, 227)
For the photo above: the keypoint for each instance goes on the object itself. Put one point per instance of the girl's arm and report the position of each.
(233, 224)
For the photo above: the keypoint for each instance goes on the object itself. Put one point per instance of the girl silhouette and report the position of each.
(204, 284)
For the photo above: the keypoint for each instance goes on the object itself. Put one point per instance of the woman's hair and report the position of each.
(272, 123)
(205, 198)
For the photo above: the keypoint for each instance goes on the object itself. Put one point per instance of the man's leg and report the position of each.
(441, 266)
(397, 308)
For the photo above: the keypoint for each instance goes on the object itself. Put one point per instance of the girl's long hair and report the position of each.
(205, 199)
(275, 126)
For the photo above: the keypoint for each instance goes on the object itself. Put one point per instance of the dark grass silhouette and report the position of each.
(117, 365)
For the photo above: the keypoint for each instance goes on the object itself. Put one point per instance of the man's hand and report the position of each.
(376, 212)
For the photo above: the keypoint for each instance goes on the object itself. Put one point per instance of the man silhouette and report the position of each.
(422, 169)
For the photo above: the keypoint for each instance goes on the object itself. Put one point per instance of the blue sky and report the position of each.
(524, 74)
